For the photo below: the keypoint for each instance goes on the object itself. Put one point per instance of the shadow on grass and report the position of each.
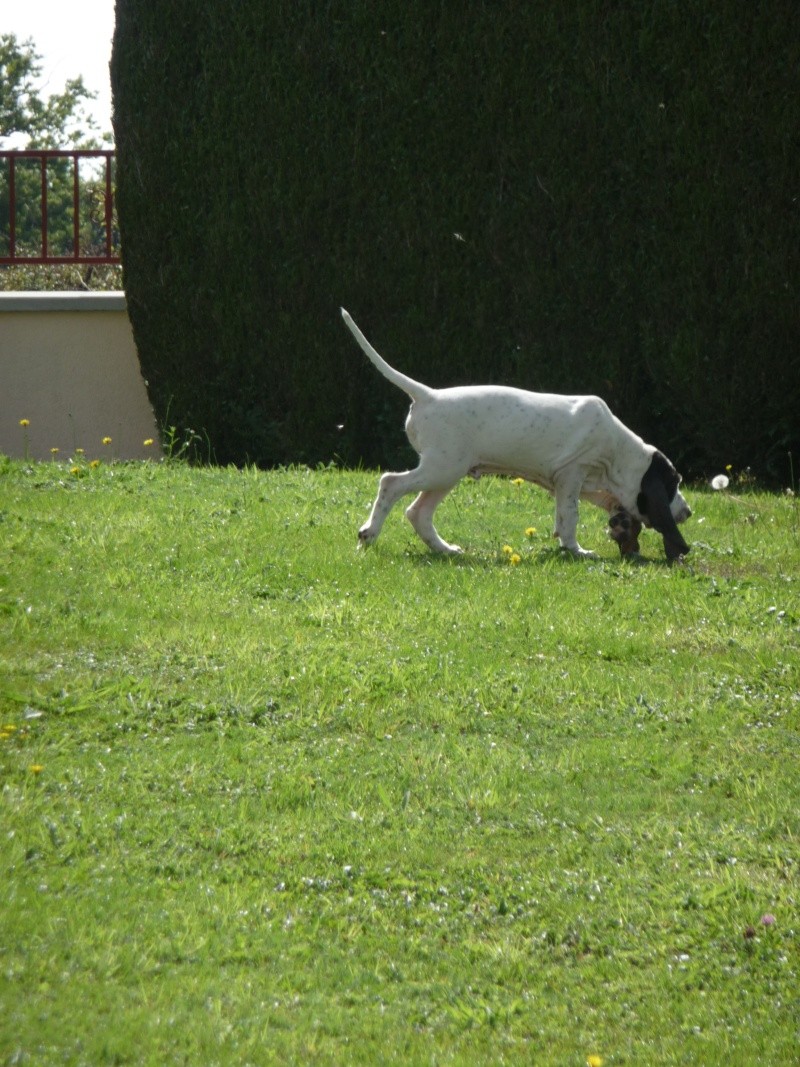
(543, 557)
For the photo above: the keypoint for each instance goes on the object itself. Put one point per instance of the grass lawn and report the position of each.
(269, 799)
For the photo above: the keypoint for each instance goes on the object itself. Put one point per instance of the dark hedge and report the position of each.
(587, 197)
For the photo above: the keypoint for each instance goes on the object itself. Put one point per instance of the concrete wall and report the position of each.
(68, 364)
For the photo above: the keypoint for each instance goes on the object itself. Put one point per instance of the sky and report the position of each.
(73, 39)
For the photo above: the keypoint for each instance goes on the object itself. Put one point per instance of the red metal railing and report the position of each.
(108, 242)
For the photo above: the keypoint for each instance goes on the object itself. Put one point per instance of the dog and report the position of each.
(572, 446)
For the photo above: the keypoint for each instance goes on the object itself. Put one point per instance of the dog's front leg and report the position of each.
(567, 491)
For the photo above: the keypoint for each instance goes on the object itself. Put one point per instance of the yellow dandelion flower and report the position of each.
(80, 451)
(36, 768)
(94, 464)
(54, 451)
(106, 440)
(147, 442)
(530, 531)
(24, 423)
(74, 470)
(594, 1061)
(9, 728)
(517, 481)
(507, 549)
(514, 559)
(729, 467)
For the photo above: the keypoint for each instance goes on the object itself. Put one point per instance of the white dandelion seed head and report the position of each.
(720, 481)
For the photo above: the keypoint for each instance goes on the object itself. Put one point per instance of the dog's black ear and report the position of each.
(659, 486)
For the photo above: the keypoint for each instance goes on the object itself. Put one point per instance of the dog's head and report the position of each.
(661, 504)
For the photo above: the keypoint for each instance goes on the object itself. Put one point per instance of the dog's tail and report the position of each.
(416, 390)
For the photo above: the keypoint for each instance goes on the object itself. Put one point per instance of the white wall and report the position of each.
(68, 364)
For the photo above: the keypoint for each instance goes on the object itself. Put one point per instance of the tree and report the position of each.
(57, 121)
(568, 197)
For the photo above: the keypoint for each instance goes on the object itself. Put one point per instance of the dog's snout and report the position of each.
(680, 508)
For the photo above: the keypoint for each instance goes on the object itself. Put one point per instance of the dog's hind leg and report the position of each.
(392, 487)
(420, 515)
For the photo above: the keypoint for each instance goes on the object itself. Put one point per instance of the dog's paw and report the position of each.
(441, 548)
(678, 561)
(582, 553)
(365, 537)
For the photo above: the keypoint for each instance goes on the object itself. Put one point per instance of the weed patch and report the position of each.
(267, 798)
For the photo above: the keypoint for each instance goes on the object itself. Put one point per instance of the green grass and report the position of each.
(268, 799)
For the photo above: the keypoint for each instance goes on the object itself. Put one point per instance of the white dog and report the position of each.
(573, 446)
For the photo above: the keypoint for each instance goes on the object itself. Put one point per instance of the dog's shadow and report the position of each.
(545, 557)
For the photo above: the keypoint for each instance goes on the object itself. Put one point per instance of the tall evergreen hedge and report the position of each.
(585, 197)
